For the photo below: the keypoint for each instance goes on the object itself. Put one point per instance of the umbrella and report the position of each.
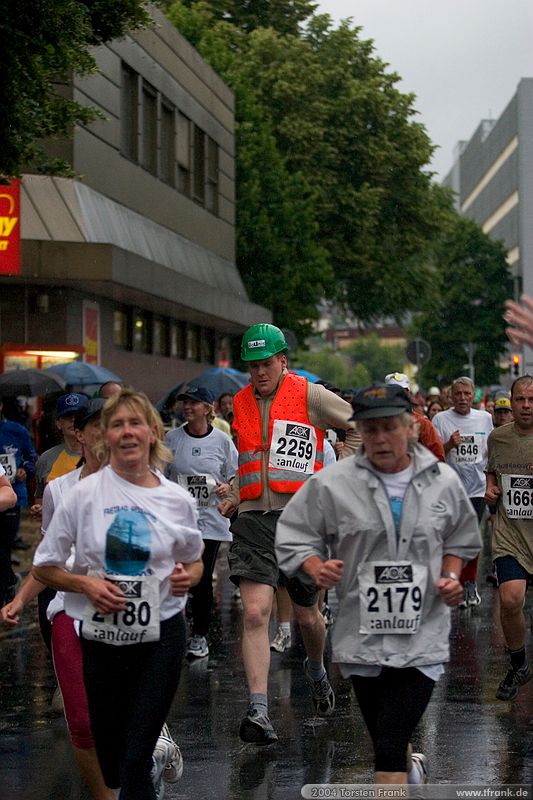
(29, 383)
(311, 377)
(218, 379)
(77, 373)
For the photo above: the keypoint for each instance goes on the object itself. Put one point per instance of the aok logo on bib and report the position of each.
(394, 574)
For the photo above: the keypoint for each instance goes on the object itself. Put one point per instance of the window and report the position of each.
(166, 153)
(207, 345)
(177, 340)
(199, 165)
(211, 189)
(141, 332)
(193, 343)
(149, 128)
(129, 113)
(121, 329)
(159, 337)
(184, 154)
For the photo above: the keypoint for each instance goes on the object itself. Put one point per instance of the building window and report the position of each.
(159, 337)
(177, 340)
(166, 153)
(211, 188)
(129, 113)
(207, 345)
(199, 165)
(149, 129)
(184, 154)
(141, 332)
(193, 343)
(121, 329)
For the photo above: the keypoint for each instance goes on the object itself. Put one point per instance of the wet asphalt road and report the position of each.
(468, 735)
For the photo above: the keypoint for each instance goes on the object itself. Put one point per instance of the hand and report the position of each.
(37, 511)
(20, 474)
(520, 315)
(222, 490)
(11, 613)
(105, 596)
(492, 495)
(180, 581)
(227, 508)
(450, 590)
(454, 440)
(328, 573)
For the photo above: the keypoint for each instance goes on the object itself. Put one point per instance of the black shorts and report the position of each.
(509, 569)
(252, 556)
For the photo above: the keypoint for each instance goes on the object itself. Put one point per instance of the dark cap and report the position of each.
(380, 401)
(88, 412)
(198, 395)
(70, 403)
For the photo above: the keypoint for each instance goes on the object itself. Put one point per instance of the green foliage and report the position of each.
(332, 119)
(44, 42)
(473, 283)
(378, 359)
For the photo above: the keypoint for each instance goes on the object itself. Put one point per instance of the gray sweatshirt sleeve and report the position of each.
(301, 529)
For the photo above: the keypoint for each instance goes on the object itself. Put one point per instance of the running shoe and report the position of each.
(515, 678)
(197, 647)
(257, 728)
(174, 766)
(321, 692)
(420, 764)
(471, 596)
(327, 614)
(281, 642)
(165, 751)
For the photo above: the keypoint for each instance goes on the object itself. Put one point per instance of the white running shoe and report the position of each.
(420, 765)
(174, 767)
(281, 641)
(197, 647)
(165, 751)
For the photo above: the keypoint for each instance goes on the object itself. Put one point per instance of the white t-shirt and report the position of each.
(470, 458)
(200, 463)
(118, 528)
(396, 484)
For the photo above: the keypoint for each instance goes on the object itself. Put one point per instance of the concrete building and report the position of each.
(132, 263)
(492, 177)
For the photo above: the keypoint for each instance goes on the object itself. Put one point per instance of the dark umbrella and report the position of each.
(218, 379)
(77, 373)
(29, 382)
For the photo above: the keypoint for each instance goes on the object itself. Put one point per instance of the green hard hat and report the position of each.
(262, 341)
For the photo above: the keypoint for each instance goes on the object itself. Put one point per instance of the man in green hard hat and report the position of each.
(280, 421)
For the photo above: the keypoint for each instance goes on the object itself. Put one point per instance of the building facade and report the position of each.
(492, 178)
(132, 262)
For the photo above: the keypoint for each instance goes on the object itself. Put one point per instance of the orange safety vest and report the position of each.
(290, 403)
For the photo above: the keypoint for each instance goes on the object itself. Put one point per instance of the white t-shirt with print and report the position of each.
(396, 484)
(470, 459)
(118, 528)
(200, 463)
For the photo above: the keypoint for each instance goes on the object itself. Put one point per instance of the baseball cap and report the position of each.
(502, 404)
(381, 400)
(70, 403)
(398, 379)
(197, 394)
(433, 391)
(87, 412)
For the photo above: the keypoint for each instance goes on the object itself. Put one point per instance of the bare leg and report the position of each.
(257, 604)
(512, 594)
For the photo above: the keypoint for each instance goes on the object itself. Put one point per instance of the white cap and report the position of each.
(433, 391)
(398, 379)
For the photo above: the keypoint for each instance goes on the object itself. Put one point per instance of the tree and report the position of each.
(339, 124)
(284, 16)
(45, 41)
(378, 359)
(473, 284)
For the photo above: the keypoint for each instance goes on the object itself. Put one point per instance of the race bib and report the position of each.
(391, 594)
(138, 623)
(470, 449)
(201, 487)
(517, 496)
(9, 463)
(293, 447)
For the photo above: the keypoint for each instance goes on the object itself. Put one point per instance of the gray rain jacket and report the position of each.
(346, 508)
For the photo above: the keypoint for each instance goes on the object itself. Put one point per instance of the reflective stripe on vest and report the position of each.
(290, 403)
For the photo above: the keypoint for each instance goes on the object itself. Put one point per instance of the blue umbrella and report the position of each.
(77, 373)
(306, 374)
(218, 379)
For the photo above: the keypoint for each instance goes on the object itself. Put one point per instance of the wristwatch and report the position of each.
(453, 575)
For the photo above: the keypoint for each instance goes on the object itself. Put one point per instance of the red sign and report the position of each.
(10, 228)
(91, 332)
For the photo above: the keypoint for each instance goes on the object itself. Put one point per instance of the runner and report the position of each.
(280, 419)
(510, 485)
(503, 412)
(464, 431)
(129, 526)
(399, 524)
(204, 462)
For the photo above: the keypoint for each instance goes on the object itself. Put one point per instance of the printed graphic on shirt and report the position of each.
(128, 541)
(396, 504)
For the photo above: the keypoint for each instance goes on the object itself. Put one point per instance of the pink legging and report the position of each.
(68, 664)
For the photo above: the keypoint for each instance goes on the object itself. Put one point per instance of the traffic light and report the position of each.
(516, 365)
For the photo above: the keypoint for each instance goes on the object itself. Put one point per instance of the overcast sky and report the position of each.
(462, 58)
